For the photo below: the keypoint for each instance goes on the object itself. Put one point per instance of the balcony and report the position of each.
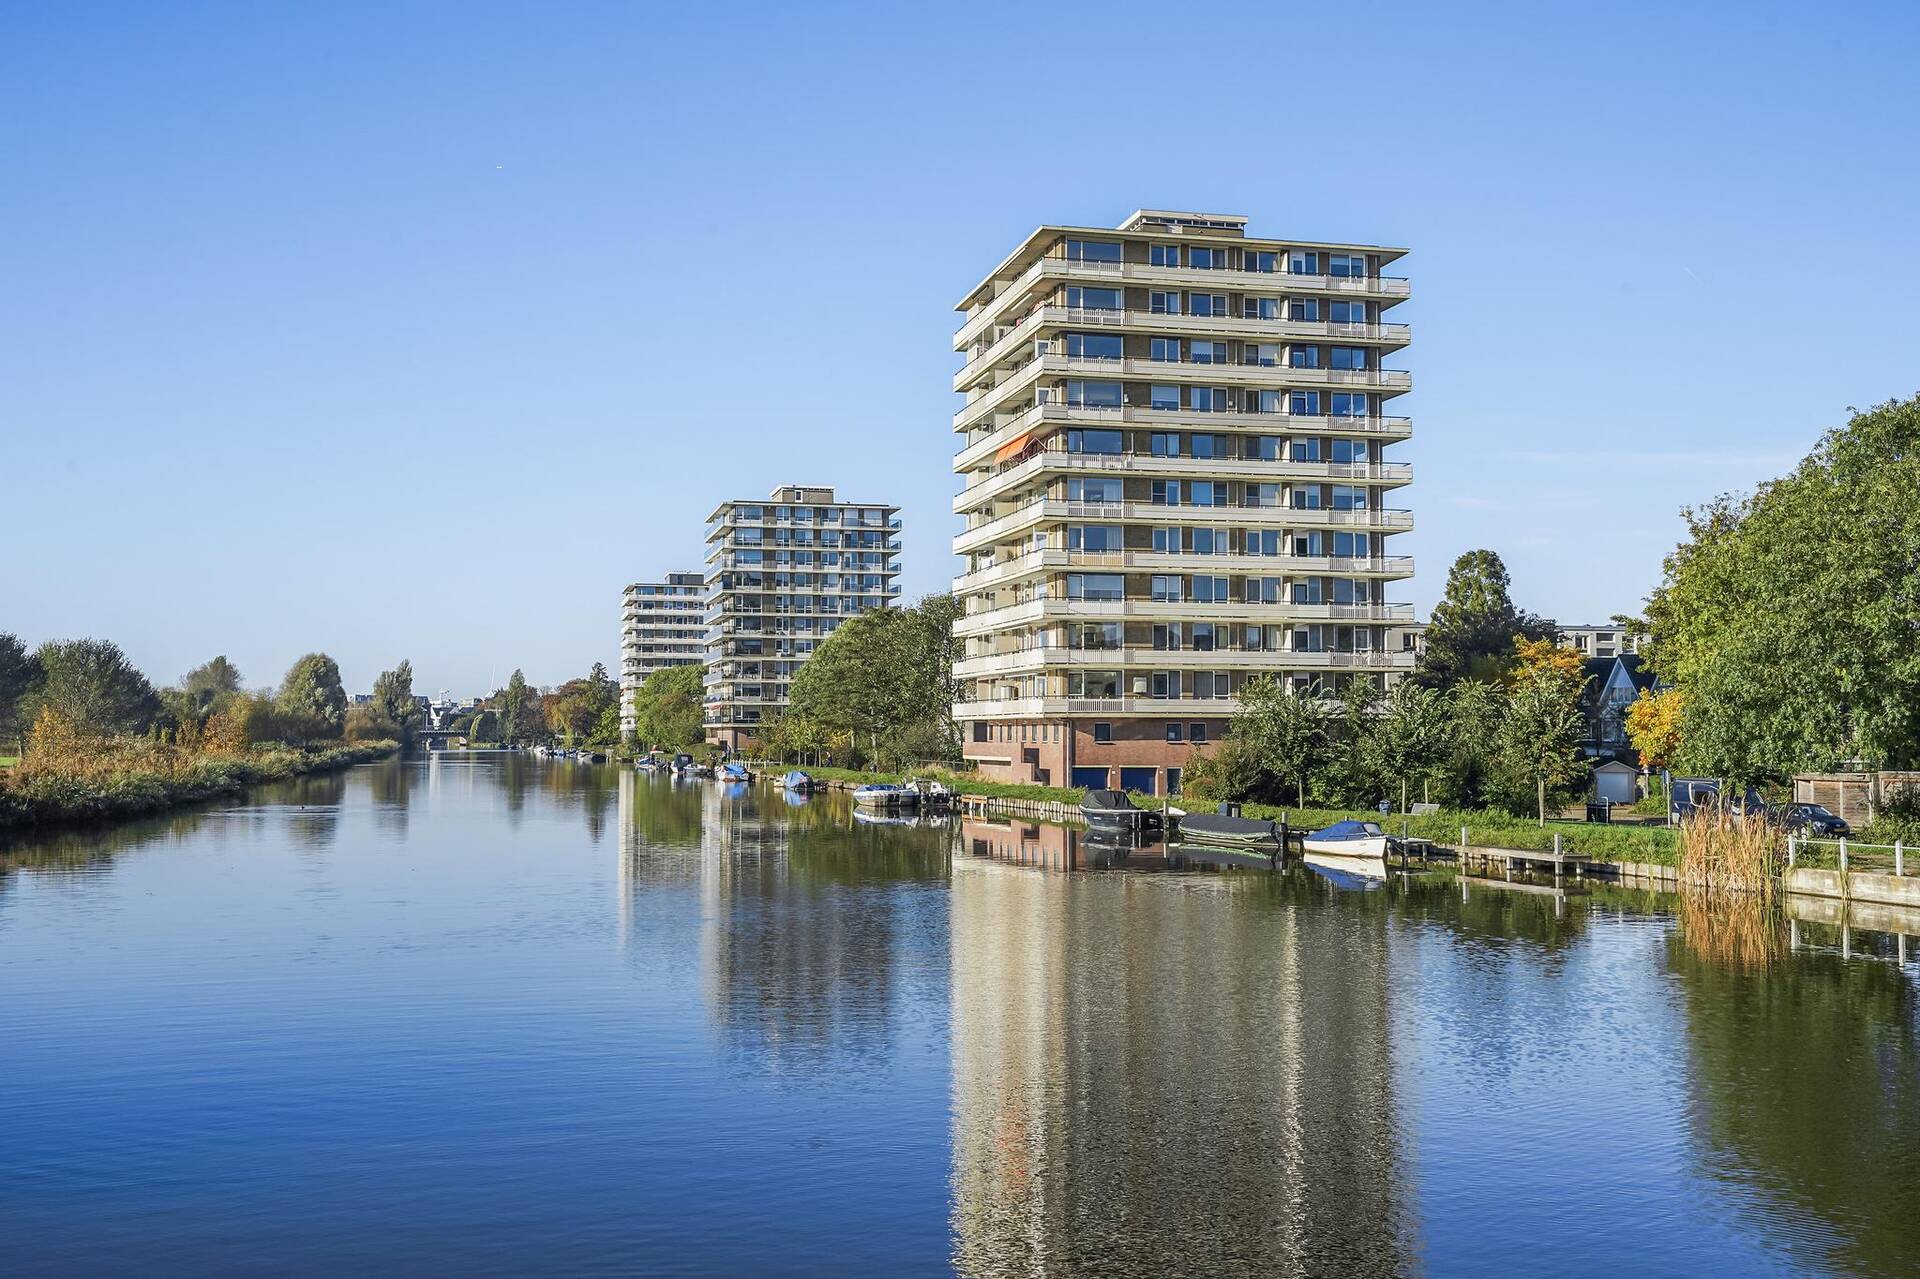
(1266, 661)
(1031, 563)
(1384, 474)
(1045, 319)
(986, 534)
(1043, 274)
(1034, 612)
(983, 445)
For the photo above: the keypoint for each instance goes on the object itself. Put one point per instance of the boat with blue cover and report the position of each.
(799, 783)
(1356, 847)
(886, 795)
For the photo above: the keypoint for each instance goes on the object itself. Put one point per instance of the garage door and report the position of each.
(1140, 779)
(1090, 778)
(1615, 785)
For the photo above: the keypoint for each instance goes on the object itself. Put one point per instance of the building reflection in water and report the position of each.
(809, 922)
(1167, 1075)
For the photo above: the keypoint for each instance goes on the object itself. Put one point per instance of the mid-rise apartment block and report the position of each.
(662, 624)
(1610, 640)
(782, 574)
(1179, 458)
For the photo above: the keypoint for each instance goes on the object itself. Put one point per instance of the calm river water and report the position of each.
(490, 1015)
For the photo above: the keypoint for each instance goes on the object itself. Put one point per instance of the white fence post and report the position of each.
(1843, 854)
(1789, 852)
(1899, 857)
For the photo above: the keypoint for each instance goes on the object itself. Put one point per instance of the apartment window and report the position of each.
(1207, 304)
(1165, 684)
(1166, 399)
(1306, 498)
(1167, 637)
(1211, 684)
(1350, 545)
(1099, 684)
(1348, 265)
(1349, 357)
(1095, 346)
(1085, 299)
(1174, 731)
(1349, 497)
(1163, 303)
(1164, 443)
(1209, 352)
(1096, 586)
(1349, 313)
(1306, 450)
(1095, 395)
(1093, 537)
(1166, 539)
(1084, 441)
(1207, 541)
(1094, 490)
(1305, 310)
(1264, 447)
(1163, 255)
(1308, 590)
(1304, 357)
(1349, 590)
(1260, 308)
(1208, 399)
(1203, 637)
(1301, 262)
(1346, 404)
(1205, 259)
(1207, 445)
(1163, 349)
(1093, 251)
(1102, 732)
(1259, 495)
(1265, 402)
(1349, 450)
(1264, 261)
(1256, 638)
(1263, 590)
(1197, 734)
(1099, 635)
(1304, 403)
(1209, 590)
(1164, 493)
(1167, 590)
(1262, 541)
(1207, 492)
(1264, 355)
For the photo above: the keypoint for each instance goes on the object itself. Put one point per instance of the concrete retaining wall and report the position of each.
(1859, 886)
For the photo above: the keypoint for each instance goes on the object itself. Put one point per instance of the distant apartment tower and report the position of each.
(1610, 640)
(782, 574)
(1176, 454)
(661, 625)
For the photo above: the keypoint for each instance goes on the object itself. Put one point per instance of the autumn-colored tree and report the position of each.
(1653, 726)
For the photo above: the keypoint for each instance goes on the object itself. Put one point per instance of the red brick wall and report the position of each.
(1137, 743)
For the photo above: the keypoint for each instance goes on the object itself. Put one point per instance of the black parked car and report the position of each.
(1814, 819)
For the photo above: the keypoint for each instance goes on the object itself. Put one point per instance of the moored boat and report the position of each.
(1230, 830)
(799, 782)
(886, 795)
(1355, 847)
(735, 773)
(1115, 810)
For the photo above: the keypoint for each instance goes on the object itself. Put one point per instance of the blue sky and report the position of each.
(417, 331)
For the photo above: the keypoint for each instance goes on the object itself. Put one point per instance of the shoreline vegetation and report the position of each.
(47, 797)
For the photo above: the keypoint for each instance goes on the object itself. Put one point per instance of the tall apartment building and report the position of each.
(781, 575)
(661, 625)
(1176, 452)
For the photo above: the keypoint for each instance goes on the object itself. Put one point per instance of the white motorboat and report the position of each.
(1357, 847)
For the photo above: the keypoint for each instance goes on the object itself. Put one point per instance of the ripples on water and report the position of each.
(485, 1014)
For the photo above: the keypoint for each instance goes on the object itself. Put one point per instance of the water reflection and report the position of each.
(1150, 1074)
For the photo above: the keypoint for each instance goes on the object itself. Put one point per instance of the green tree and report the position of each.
(1471, 633)
(394, 702)
(1409, 743)
(1286, 732)
(19, 674)
(1351, 772)
(1790, 616)
(92, 687)
(885, 681)
(1469, 766)
(485, 728)
(1541, 726)
(669, 708)
(521, 718)
(311, 703)
(210, 685)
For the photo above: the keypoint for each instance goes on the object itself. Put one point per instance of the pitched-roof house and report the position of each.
(1612, 685)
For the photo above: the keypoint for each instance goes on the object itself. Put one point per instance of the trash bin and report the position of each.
(1600, 810)
(1229, 809)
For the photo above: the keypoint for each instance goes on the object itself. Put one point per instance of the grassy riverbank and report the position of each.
(38, 796)
(1486, 828)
